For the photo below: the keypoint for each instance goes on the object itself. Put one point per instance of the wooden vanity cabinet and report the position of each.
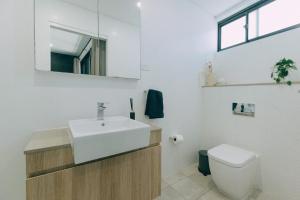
(52, 174)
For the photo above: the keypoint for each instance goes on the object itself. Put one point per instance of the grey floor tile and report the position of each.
(189, 189)
(174, 179)
(170, 193)
(164, 184)
(262, 196)
(204, 181)
(190, 170)
(189, 184)
(213, 195)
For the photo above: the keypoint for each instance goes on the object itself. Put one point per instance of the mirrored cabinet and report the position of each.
(91, 37)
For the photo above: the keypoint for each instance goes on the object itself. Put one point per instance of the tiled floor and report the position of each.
(191, 185)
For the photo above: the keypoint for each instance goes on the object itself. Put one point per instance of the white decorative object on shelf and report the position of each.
(210, 78)
(221, 81)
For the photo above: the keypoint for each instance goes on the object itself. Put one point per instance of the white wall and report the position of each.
(123, 47)
(177, 39)
(253, 62)
(174, 49)
(274, 131)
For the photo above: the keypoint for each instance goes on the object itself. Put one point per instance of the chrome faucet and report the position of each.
(100, 113)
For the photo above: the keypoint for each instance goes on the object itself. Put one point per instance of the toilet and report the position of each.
(233, 170)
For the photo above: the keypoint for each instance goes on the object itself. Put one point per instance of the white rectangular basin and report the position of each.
(94, 139)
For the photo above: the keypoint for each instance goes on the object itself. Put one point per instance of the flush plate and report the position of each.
(245, 109)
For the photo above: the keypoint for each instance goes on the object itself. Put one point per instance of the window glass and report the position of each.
(263, 18)
(278, 15)
(253, 24)
(233, 33)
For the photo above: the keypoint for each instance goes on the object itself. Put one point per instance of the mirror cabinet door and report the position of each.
(93, 37)
(65, 32)
(119, 25)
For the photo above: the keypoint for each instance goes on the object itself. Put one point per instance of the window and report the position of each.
(265, 18)
(233, 33)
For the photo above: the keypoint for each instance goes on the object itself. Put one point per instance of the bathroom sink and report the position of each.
(93, 139)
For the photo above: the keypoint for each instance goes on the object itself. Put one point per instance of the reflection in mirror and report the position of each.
(77, 53)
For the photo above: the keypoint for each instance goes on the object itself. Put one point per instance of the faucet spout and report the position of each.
(100, 113)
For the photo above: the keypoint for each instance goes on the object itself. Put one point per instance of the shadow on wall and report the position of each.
(66, 80)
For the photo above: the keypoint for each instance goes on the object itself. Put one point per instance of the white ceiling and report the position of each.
(217, 7)
(68, 43)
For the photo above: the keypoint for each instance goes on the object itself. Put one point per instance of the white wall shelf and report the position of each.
(250, 84)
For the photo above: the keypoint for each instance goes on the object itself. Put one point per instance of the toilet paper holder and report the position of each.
(175, 139)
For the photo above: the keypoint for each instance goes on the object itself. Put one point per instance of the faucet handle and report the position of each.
(101, 104)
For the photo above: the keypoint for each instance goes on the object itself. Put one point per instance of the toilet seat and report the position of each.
(231, 156)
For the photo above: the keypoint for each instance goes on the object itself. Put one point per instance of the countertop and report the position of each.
(54, 139)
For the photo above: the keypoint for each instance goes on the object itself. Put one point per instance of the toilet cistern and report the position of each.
(233, 170)
(100, 110)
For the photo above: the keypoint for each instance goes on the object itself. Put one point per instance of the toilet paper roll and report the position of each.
(176, 139)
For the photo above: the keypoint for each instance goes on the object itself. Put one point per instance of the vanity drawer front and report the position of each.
(42, 162)
(132, 176)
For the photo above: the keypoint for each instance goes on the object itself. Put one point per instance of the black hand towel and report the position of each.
(154, 105)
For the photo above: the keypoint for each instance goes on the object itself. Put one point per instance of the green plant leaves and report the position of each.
(282, 69)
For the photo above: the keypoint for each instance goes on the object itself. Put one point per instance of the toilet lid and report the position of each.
(230, 155)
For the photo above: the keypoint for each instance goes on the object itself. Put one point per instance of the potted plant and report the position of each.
(282, 69)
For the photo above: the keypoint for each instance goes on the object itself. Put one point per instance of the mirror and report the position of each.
(119, 23)
(92, 37)
(77, 53)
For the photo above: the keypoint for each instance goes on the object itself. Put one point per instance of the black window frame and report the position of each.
(245, 13)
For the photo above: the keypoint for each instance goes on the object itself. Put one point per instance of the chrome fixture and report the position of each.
(246, 109)
(100, 113)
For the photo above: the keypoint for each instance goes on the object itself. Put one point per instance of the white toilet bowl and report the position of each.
(233, 170)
